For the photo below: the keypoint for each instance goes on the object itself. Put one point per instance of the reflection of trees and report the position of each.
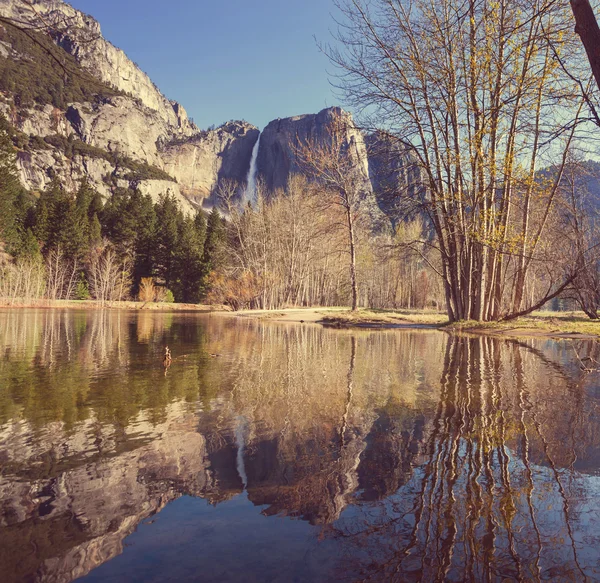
(311, 398)
(66, 366)
(478, 509)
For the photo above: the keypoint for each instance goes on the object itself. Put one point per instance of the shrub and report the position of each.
(148, 290)
(164, 295)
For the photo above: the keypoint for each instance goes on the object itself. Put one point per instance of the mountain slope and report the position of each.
(78, 107)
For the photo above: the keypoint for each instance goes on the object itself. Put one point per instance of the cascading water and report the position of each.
(250, 192)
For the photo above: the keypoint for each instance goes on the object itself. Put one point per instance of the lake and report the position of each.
(291, 452)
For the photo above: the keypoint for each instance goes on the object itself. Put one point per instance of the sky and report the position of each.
(255, 60)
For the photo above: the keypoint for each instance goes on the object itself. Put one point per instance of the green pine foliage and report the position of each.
(15, 202)
(40, 72)
(177, 251)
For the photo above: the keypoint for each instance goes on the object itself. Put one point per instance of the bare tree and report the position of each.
(334, 163)
(472, 88)
(61, 275)
(109, 275)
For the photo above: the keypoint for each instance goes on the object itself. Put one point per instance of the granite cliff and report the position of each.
(112, 125)
(124, 120)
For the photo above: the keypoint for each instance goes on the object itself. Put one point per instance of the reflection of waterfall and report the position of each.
(250, 192)
(239, 439)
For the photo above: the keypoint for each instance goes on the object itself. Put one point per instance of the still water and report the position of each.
(288, 452)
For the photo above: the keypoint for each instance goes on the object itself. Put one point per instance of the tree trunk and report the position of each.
(586, 26)
(352, 260)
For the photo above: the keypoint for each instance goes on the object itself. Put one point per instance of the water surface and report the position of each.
(288, 452)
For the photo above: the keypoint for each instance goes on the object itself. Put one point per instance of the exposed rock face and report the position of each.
(200, 162)
(279, 141)
(120, 125)
(80, 35)
(143, 126)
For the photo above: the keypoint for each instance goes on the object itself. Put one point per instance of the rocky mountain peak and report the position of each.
(277, 158)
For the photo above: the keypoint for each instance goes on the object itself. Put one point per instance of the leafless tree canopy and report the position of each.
(477, 91)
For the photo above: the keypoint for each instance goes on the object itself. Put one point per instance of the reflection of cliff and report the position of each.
(59, 528)
(446, 451)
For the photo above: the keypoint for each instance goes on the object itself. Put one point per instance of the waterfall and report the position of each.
(250, 192)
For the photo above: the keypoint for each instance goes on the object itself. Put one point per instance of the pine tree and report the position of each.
(59, 222)
(213, 248)
(188, 266)
(200, 227)
(95, 231)
(14, 201)
(169, 220)
(128, 219)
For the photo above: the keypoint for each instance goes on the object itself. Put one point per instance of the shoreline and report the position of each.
(558, 325)
(132, 306)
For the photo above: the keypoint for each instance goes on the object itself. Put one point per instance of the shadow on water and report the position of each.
(316, 454)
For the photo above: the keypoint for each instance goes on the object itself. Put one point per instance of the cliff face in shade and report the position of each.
(395, 174)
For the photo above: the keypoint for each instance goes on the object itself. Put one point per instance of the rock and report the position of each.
(279, 140)
(119, 124)
(80, 35)
(144, 126)
(201, 162)
(395, 175)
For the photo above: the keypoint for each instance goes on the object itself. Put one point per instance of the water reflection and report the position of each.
(411, 456)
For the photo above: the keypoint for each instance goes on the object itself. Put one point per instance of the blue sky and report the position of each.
(230, 59)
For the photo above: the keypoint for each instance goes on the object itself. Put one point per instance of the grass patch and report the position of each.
(541, 323)
(538, 323)
(369, 317)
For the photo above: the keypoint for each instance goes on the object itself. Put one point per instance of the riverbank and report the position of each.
(538, 324)
(126, 305)
(345, 318)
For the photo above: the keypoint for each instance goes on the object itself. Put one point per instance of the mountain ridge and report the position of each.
(81, 109)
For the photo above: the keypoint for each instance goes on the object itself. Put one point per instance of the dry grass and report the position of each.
(540, 323)
(364, 317)
(537, 324)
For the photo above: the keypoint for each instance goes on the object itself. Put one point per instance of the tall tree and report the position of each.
(59, 223)
(213, 247)
(169, 219)
(129, 221)
(13, 198)
(473, 89)
(187, 257)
